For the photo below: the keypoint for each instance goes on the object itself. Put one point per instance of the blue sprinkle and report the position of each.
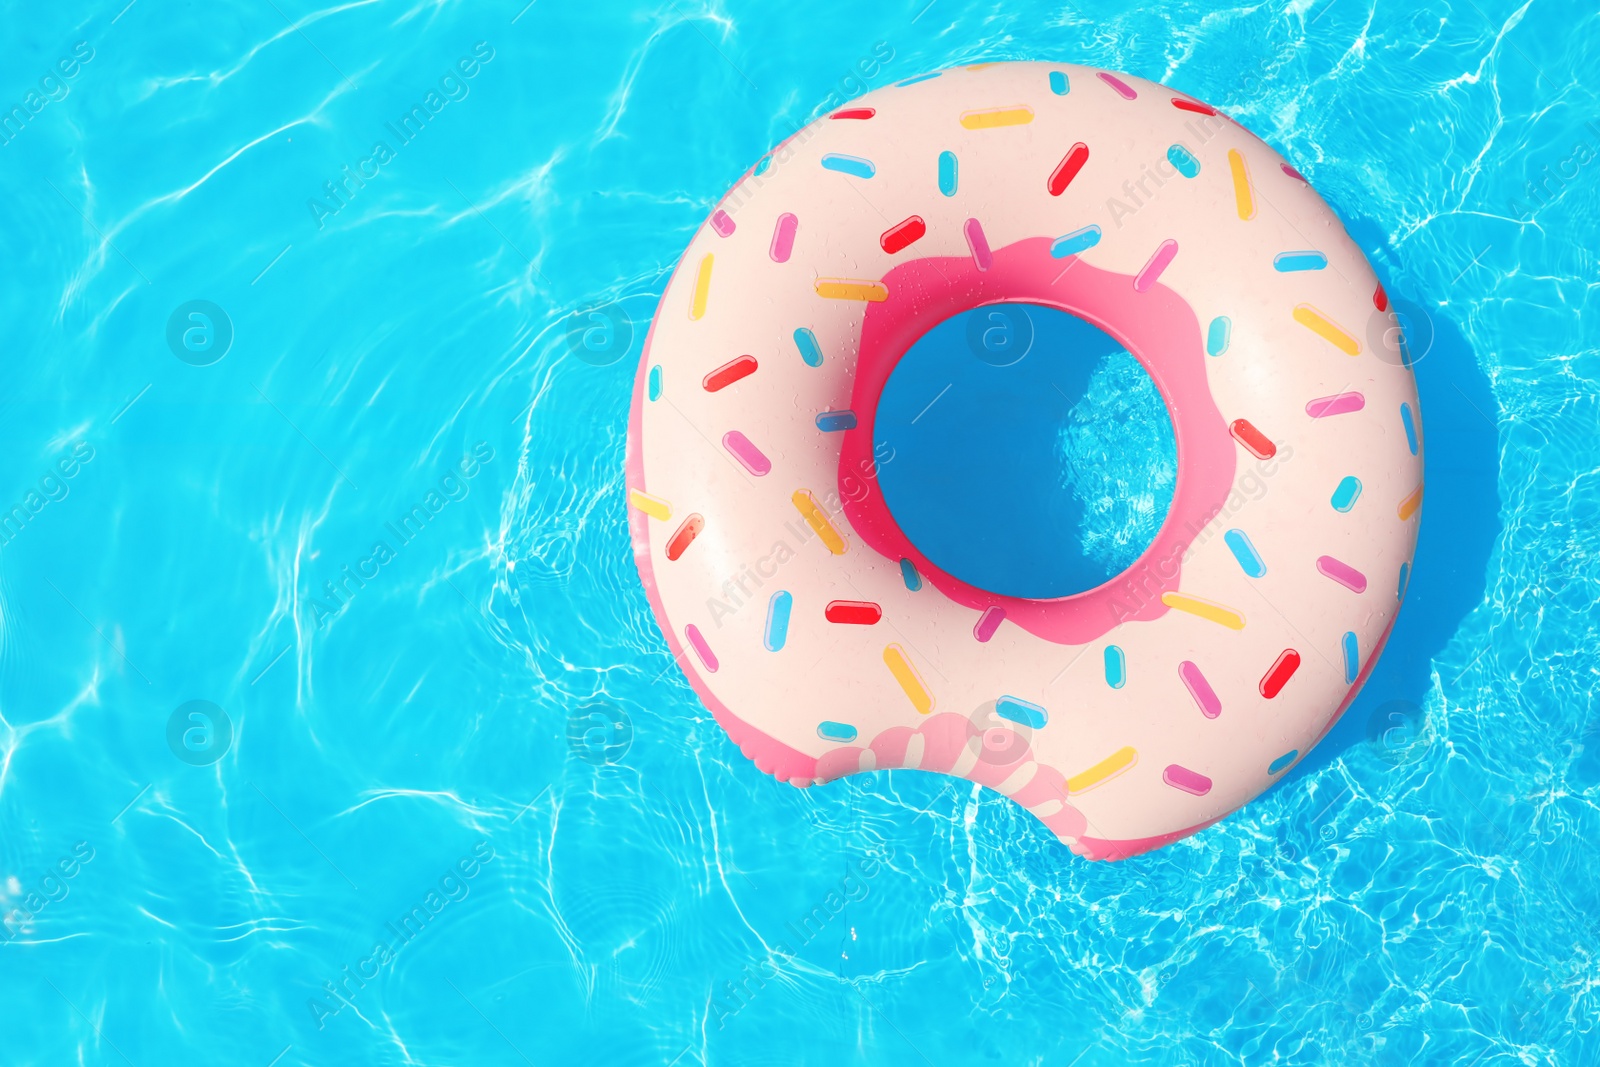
(1293, 261)
(1021, 711)
(810, 351)
(1058, 83)
(1283, 761)
(919, 78)
(1218, 336)
(833, 421)
(854, 165)
(1405, 572)
(908, 571)
(1184, 160)
(947, 173)
(1411, 427)
(1349, 491)
(764, 164)
(836, 731)
(655, 382)
(778, 609)
(1352, 657)
(1076, 241)
(1245, 552)
(1116, 667)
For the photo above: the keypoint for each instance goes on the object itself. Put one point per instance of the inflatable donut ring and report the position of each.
(825, 643)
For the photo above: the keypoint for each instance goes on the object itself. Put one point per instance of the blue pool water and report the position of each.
(1042, 424)
(367, 509)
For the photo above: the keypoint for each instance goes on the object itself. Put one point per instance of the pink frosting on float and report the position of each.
(1157, 326)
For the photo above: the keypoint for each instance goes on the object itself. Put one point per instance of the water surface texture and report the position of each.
(336, 729)
(1025, 451)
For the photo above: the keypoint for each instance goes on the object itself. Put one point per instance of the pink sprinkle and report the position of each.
(988, 623)
(701, 649)
(722, 222)
(746, 453)
(979, 245)
(1342, 573)
(1337, 404)
(1158, 262)
(1123, 88)
(1291, 172)
(1185, 779)
(1200, 689)
(783, 237)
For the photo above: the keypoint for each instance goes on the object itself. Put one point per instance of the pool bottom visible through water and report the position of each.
(1028, 453)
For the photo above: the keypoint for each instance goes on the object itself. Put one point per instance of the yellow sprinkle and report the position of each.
(997, 116)
(652, 506)
(818, 520)
(1243, 198)
(702, 288)
(1409, 506)
(981, 66)
(1325, 328)
(1104, 771)
(1204, 609)
(852, 289)
(909, 680)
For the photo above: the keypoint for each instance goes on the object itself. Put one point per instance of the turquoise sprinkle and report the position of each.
(1184, 160)
(919, 78)
(1293, 261)
(778, 609)
(1116, 667)
(908, 571)
(836, 731)
(655, 382)
(947, 173)
(1245, 552)
(1411, 427)
(1283, 761)
(1218, 336)
(1405, 572)
(1058, 83)
(1352, 657)
(810, 351)
(852, 165)
(1071, 244)
(764, 164)
(1346, 495)
(1021, 711)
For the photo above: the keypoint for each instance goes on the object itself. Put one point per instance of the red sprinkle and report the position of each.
(902, 234)
(1193, 105)
(1068, 168)
(729, 372)
(855, 113)
(1282, 670)
(857, 612)
(1256, 442)
(1380, 299)
(685, 535)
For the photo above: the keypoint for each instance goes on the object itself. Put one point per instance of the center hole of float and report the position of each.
(1032, 456)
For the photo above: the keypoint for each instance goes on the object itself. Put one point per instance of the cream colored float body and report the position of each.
(825, 644)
